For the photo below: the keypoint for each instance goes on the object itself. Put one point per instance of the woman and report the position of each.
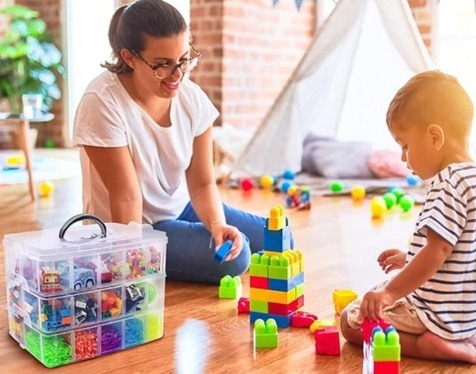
(145, 132)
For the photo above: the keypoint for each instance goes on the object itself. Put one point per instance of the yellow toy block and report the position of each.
(273, 296)
(321, 323)
(277, 219)
(342, 298)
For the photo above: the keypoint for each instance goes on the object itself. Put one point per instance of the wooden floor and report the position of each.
(340, 244)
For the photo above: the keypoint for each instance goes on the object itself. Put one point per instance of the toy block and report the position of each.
(285, 309)
(285, 285)
(259, 282)
(327, 341)
(277, 241)
(322, 323)
(222, 252)
(272, 296)
(385, 345)
(368, 326)
(342, 298)
(243, 305)
(281, 321)
(303, 319)
(279, 268)
(386, 367)
(277, 219)
(259, 265)
(259, 306)
(299, 289)
(265, 334)
(230, 288)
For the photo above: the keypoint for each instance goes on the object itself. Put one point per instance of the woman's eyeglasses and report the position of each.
(165, 70)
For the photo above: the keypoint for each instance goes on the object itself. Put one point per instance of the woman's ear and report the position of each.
(437, 136)
(128, 58)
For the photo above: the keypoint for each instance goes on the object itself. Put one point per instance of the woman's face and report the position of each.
(156, 67)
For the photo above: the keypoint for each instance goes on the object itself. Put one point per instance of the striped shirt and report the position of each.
(446, 303)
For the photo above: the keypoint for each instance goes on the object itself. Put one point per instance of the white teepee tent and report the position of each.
(362, 55)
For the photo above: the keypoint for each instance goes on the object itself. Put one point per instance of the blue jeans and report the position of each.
(190, 250)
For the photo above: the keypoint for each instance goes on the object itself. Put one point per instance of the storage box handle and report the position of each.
(81, 217)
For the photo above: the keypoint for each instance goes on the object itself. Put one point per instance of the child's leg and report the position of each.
(190, 255)
(426, 345)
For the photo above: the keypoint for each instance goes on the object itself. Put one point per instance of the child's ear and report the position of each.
(437, 136)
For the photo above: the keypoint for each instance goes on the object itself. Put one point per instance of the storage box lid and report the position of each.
(82, 239)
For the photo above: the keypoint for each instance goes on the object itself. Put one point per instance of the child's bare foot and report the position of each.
(462, 350)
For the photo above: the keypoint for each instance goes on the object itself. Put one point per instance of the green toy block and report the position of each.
(386, 347)
(258, 306)
(259, 265)
(265, 335)
(279, 268)
(230, 288)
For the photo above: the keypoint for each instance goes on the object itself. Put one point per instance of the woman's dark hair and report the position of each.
(131, 22)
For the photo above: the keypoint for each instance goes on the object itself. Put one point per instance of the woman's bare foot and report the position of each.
(433, 346)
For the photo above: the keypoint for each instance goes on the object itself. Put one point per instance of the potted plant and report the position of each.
(29, 62)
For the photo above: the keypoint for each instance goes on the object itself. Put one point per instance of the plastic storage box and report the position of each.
(85, 291)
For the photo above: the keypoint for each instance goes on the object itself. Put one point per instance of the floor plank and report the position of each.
(340, 244)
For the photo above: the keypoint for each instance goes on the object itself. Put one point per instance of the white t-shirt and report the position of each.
(108, 117)
(446, 303)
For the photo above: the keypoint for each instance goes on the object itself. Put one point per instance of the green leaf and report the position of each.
(19, 11)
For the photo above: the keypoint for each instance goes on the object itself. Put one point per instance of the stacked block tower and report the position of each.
(381, 348)
(276, 274)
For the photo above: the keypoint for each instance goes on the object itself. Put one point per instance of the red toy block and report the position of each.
(327, 341)
(386, 367)
(285, 309)
(243, 305)
(303, 319)
(259, 282)
(367, 327)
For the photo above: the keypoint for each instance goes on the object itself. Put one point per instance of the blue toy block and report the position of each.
(278, 240)
(223, 251)
(281, 321)
(285, 285)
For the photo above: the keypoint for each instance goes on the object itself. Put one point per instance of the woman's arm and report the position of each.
(202, 188)
(116, 169)
(205, 197)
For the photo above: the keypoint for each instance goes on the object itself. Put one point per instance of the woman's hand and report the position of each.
(222, 232)
(391, 259)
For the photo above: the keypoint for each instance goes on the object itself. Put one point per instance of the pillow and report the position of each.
(388, 164)
(334, 159)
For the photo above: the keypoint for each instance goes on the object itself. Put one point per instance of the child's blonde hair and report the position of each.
(432, 97)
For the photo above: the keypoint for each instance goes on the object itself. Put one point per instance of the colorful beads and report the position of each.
(111, 338)
(86, 345)
(155, 261)
(136, 263)
(134, 332)
(56, 350)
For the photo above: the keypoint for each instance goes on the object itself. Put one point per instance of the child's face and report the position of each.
(417, 150)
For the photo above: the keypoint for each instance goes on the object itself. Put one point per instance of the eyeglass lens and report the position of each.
(168, 70)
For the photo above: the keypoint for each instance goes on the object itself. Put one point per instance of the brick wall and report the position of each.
(423, 11)
(250, 48)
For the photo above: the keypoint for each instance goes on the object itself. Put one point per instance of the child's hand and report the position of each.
(391, 259)
(223, 232)
(373, 304)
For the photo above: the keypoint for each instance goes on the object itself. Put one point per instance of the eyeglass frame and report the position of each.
(174, 66)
